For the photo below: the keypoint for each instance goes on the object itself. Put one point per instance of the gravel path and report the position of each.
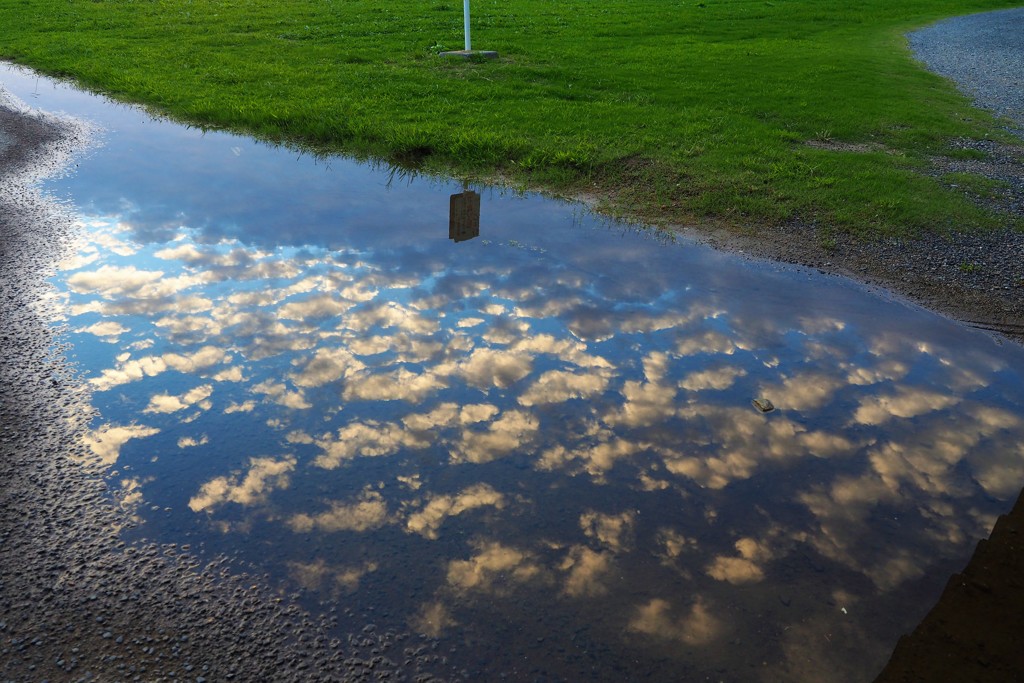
(982, 53)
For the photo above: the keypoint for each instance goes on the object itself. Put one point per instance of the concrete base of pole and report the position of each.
(466, 54)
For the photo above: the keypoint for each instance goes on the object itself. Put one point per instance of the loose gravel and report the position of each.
(981, 53)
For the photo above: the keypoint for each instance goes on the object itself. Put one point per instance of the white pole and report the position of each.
(465, 14)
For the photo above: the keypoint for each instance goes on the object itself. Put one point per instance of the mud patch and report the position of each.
(973, 632)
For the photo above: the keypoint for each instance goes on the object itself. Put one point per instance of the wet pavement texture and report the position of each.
(463, 433)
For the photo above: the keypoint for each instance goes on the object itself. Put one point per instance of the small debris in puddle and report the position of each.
(764, 405)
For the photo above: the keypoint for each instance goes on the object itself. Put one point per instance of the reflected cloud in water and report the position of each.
(542, 459)
(547, 426)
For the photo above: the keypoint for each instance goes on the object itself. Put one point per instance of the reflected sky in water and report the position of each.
(536, 443)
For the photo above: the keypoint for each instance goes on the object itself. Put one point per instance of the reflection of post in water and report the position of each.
(464, 216)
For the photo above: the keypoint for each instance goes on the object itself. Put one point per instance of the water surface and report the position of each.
(535, 446)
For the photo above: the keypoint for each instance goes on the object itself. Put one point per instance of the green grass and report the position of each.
(667, 110)
(975, 184)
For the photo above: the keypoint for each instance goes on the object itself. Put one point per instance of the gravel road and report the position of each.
(982, 54)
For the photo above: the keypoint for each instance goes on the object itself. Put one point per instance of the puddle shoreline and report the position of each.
(970, 634)
(903, 269)
(974, 279)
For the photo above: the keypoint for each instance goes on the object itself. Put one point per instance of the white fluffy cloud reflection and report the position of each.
(524, 434)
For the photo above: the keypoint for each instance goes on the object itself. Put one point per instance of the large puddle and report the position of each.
(504, 423)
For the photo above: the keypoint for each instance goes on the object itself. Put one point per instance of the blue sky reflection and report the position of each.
(537, 444)
(572, 434)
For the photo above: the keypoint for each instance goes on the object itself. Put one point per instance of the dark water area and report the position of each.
(529, 434)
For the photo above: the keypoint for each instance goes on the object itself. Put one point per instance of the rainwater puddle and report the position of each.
(528, 433)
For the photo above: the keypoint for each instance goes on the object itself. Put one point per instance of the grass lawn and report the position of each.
(734, 112)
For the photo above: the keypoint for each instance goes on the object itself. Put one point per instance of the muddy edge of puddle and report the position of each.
(76, 603)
